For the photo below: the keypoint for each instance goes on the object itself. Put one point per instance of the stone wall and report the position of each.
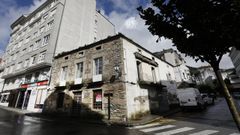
(112, 81)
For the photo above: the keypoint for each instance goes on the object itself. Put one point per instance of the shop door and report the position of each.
(76, 108)
(27, 99)
(20, 99)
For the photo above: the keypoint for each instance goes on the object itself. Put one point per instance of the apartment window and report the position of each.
(42, 29)
(45, 16)
(37, 43)
(35, 34)
(20, 43)
(46, 40)
(79, 70)
(23, 51)
(53, 12)
(28, 78)
(19, 65)
(64, 73)
(30, 48)
(26, 63)
(49, 25)
(97, 99)
(42, 56)
(27, 39)
(36, 76)
(33, 59)
(98, 63)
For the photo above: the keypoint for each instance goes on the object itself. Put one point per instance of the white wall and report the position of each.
(104, 27)
(134, 91)
(77, 27)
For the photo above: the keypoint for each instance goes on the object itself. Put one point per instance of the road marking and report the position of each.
(26, 123)
(235, 134)
(175, 131)
(205, 132)
(157, 128)
(145, 126)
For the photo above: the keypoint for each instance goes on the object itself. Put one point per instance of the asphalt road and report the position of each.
(217, 115)
(215, 120)
(15, 124)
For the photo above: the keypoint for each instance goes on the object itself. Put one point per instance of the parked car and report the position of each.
(190, 97)
(208, 99)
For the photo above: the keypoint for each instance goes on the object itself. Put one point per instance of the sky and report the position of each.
(122, 13)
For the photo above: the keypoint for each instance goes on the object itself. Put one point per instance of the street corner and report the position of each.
(164, 120)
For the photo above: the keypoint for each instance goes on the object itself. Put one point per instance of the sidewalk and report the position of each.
(144, 120)
(16, 110)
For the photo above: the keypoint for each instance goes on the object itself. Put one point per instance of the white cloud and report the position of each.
(130, 24)
(9, 12)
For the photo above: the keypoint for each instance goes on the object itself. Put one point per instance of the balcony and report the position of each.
(27, 70)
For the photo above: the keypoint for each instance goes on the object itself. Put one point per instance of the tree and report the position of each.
(202, 29)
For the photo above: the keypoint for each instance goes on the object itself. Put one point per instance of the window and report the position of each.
(139, 69)
(46, 40)
(99, 48)
(53, 12)
(36, 76)
(169, 77)
(23, 51)
(154, 74)
(64, 73)
(35, 34)
(98, 63)
(26, 63)
(45, 16)
(30, 48)
(33, 59)
(19, 65)
(20, 43)
(15, 56)
(79, 70)
(27, 39)
(42, 29)
(42, 56)
(49, 25)
(97, 99)
(28, 78)
(41, 96)
(36, 45)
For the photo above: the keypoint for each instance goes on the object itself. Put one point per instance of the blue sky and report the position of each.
(122, 13)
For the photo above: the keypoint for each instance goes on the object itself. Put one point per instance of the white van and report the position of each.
(190, 97)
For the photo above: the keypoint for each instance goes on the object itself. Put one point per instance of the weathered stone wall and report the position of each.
(112, 53)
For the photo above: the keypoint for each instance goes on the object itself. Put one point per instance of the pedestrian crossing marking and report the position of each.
(157, 128)
(235, 134)
(145, 126)
(205, 132)
(175, 131)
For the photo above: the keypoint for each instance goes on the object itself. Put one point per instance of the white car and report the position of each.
(190, 97)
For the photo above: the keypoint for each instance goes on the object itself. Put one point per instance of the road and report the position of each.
(16, 124)
(214, 120)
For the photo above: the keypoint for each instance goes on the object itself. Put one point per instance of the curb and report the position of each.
(16, 110)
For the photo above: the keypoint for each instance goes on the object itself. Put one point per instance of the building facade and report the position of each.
(54, 27)
(115, 74)
(171, 56)
(235, 57)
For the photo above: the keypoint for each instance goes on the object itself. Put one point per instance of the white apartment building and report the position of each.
(171, 56)
(54, 27)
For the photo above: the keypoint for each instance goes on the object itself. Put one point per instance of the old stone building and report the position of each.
(114, 77)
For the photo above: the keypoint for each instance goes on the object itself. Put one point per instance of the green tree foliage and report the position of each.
(202, 29)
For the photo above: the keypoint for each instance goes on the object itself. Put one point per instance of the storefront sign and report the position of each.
(34, 84)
